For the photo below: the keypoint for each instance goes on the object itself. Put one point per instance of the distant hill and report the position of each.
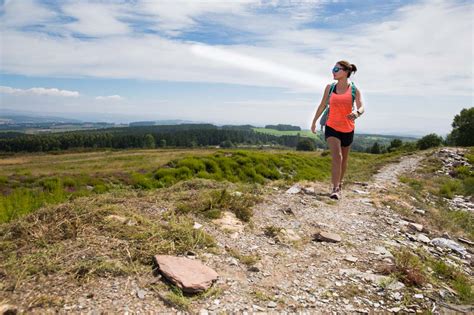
(281, 127)
(26, 119)
(160, 122)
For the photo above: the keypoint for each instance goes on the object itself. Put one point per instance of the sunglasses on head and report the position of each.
(336, 69)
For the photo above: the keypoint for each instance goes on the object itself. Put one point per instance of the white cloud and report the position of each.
(404, 54)
(109, 97)
(38, 91)
(174, 16)
(19, 13)
(96, 19)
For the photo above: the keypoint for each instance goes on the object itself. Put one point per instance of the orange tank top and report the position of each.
(340, 105)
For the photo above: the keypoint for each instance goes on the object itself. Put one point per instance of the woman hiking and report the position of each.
(339, 130)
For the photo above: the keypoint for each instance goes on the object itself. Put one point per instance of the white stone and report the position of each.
(295, 189)
(351, 259)
(423, 238)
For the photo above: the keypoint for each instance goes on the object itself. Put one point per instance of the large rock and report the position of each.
(190, 275)
(443, 242)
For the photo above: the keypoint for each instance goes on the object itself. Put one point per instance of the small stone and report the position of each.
(141, 294)
(295, 189)
(418, 296)
(203, 311)
(415, 226)
(395, 286)
(327, 237)
(382, 251)
(423, 238)
(397, 296)
(258, 308)
(351, 259)
(309, 190)
(197, 226)
(419, 211)
(253, 269)
(272, 304)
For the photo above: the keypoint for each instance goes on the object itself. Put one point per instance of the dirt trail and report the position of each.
(388, 175)
(309, 275)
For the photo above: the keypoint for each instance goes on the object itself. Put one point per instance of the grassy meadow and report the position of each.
(29, 181)
(274, 132)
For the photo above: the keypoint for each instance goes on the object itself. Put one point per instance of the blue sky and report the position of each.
(258, 62)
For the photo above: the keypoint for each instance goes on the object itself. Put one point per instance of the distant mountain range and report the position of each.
(23, 119)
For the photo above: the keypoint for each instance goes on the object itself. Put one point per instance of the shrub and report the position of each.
(429, 141)
(305, 144)
(449, 188)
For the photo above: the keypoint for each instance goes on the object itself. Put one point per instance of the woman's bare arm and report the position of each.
(321, 107)
(359, 106)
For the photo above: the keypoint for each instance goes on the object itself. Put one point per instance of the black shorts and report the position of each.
(345, 137)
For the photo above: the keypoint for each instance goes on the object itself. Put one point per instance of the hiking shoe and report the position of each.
(336, 194)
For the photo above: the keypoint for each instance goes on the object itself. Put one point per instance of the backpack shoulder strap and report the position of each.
(353, 92)
(331, 89)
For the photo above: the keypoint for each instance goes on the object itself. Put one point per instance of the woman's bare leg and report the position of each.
(345, 158)
(336, 155)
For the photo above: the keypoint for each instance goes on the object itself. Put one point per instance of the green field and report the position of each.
(30, 181)
(303, 133)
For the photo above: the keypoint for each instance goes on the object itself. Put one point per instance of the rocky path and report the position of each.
(297, 273)
(389, 174)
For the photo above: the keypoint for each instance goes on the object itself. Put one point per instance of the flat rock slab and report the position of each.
(189, 275)
(327, 237)
(295, 189)
(229, 222)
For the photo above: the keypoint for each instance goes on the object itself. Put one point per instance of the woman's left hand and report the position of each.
(352, 116)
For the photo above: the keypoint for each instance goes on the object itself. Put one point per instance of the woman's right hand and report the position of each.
(313, 128)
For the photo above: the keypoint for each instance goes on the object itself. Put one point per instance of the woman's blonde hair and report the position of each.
(349, 67)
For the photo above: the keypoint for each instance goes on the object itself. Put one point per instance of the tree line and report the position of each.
(141, 137)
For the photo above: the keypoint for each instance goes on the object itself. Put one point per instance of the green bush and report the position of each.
(449, 188)
(143, 181)
(305, 144)
(468, 185)
(429, 141)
